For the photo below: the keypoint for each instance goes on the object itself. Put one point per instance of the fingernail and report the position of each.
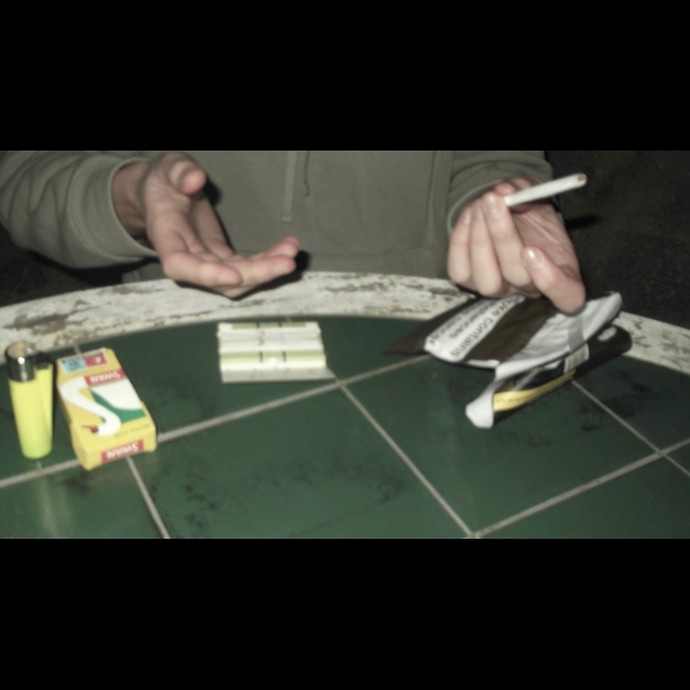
(533, 257)
(493, 205)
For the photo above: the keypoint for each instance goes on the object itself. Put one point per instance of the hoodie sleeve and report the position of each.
(59, 204)
(476, 172)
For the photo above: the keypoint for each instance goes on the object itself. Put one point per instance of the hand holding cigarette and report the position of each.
(503, 244)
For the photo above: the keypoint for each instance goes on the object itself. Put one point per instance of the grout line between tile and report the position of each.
(385, 370)
(562, 498)
(190, 429)
(665, 452)
(671, 449)
(618, 418)
(407, 460)
(37, 474)
(153, 511)
(677, 446)
(678, 466)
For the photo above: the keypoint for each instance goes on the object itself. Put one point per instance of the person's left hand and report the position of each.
(162, 202)
(498, 251)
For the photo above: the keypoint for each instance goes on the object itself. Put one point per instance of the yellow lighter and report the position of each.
(31, 391)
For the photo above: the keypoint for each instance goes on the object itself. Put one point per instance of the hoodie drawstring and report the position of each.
(290, 176)
(305, 174)
(289, 193)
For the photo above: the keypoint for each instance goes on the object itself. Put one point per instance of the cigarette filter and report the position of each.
(271, 351)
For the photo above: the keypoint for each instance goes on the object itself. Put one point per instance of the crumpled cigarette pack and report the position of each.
(532, 348)
(107, 420)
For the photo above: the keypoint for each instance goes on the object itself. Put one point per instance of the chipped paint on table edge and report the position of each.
(76, 318)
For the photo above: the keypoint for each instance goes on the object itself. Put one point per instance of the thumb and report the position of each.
(185, 174)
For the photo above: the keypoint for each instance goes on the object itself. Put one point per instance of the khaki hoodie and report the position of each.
(378, 211)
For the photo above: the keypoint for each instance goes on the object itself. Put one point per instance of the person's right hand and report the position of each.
(163, 203)
(498, 251)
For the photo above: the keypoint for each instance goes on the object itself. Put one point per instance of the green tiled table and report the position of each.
(383, 451)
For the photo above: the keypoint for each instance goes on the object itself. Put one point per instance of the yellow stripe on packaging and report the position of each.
(512, 400)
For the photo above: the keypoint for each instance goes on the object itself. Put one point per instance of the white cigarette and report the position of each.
(546, 190)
